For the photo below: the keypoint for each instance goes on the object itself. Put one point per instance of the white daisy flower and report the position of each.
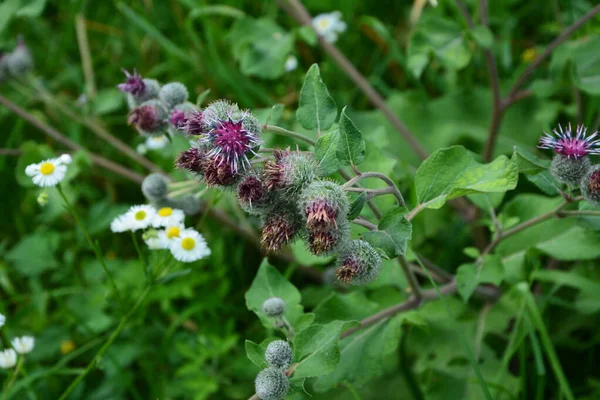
(23, 344)
(329, 25)
(190, 246)
(8, 358)
(140, 217)
(155, 240)
(65, 159)
(167, 216)
(122, 223)
(291, 63)
(141, 148)
(157, 142)
(47, 173)
(2, 320)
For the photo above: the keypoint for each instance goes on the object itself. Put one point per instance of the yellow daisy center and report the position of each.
(47, 168)
(324, 23)
(140, 215)
(173, 232)
(188, 243)
(165, 211)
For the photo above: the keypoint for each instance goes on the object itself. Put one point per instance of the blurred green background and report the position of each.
(188, 340)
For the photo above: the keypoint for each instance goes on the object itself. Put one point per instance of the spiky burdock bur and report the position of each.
(173, 93)
(154, 187)
(191, 160)
(253, 195)
(279, 354)
(569, 170)
(138, 89)
(273, 307)
(231, 134)
(570, 163)
(150, 118)
(271, 384)
(179, 115)
(328, 242)
(212, 169)
(358, 264)
(194, 124)
(590, 185)
(280, 227)
(291, 171)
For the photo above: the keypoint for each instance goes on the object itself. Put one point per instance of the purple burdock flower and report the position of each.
(177, 118)
(231, 141)
(134, 84)
(563, 142)
(194, 124)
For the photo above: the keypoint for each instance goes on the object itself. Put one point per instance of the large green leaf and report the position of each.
(469, 276)
(454, 172)
(326, 152)
(261, 47)
(316, 348)
(581, 58)
(441, 37)
(535, 170)
(394, 232)
(316, 110)
(270, 283)
(351, 149)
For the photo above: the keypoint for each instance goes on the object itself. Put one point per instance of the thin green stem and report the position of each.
(93, 245)
(392, 186)
(410, 277)
(13, 378)
(143, 259)
(291, 134)
(108, 343)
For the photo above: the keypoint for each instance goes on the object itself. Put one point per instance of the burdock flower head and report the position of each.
(570, 163)
(231, 134)
(358, 264)
(280, 227)
(150, 118)
(590, 185)
(194, 124)
(173, 93)
(191, 160)
(271, 384)
(291, 171)
(138, 89)
(252, 194)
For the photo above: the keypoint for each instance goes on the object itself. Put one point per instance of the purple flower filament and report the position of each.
(563, 142)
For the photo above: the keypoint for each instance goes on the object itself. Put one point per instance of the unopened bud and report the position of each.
(359, 263)
(150, 118)
(279, 354)
(569, 170)
(271, 384)
(291, 171)
(154, 187)
(43, 198)
(274, 307)
(173, 93)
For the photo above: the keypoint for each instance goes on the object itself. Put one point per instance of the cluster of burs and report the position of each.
(17, 62)
(285, 189)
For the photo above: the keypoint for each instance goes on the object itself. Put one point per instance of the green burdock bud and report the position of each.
(328, 242)
(569, 170)
(150, 118)
(173, 93)
(154, 187)
(291, 171)
(20, 61)
(274, 307)
(324, 205)
(590, 185)
(219, 110)
(271, 384)
(189, 204)
(358, 264)
(43, 198)
(279, 354)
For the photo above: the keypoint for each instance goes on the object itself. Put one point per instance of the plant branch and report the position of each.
(284, 132)
(383, 177)
(551, 47)
(410, 277)
(59, 137)
(371, 205)
(301, 15)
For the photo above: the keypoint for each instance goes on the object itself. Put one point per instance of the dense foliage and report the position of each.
(370, 207)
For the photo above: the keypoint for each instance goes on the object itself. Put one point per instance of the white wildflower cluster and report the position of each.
(49, 172)
(329, 25)
(20, 345)
(164, 229)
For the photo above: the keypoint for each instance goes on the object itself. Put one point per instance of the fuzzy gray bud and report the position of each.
(173, 93)
(359, 263)
(271, 384)
(279, 354)
(569, 170)
(154, 187)
(274, 307)
(590, 185)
